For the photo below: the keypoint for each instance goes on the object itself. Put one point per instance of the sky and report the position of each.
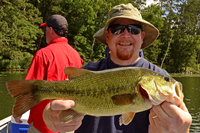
(149, 2)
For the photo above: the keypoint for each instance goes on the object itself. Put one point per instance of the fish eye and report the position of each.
(166, 78)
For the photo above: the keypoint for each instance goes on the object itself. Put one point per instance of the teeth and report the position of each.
(124, 44)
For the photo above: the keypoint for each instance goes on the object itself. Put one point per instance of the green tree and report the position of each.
(167, 32)
(186, 38)
(84, 18)
(153, 14)
(18, 32)
(20, 35)
(179, 34)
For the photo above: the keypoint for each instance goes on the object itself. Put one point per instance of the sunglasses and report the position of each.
(117, 29)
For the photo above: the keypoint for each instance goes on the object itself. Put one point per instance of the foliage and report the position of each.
(84, 22)
(21, 37)
(184, 28)
(19, 30)
(153, 15)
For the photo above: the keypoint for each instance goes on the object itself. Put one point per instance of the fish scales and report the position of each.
(97, 89)
(103, 93)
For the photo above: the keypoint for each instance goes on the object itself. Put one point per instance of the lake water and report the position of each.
(191, 90)
(6, 101)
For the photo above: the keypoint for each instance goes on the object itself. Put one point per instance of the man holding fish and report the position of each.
(125, 34)
(149, 100)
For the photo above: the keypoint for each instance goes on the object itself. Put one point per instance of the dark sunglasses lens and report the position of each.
(133, 29)
(117, 29)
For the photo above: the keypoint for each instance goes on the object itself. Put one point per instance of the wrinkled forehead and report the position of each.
(124, 21)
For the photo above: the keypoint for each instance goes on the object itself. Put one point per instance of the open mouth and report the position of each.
(152, 98)
(143, 92)
(125, 44)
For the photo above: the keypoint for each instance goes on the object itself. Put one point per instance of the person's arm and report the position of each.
(51, 112)
(170, 118)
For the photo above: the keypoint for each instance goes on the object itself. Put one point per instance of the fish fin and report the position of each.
(20, 87)
(24, 89)
(126, 118)
(123, 99)
(24, 103)
(72, 72)
(67, 116)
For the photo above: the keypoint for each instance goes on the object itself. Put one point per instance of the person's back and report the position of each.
(57, 55)
(61, 55)
(48, 64)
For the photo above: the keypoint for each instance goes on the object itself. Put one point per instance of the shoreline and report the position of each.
(14, 70)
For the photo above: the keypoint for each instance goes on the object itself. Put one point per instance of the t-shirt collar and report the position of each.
(111, 64)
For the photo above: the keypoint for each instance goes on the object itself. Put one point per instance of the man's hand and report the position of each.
(51, 112)
(18, 119)
(170, 117)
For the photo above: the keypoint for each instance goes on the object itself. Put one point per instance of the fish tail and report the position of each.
(20, 87)
(24, 91)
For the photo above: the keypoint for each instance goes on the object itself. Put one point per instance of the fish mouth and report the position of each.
(143, 92)
(178, 89)
(157, 98)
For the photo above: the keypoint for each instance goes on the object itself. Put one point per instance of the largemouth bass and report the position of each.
(125, 91)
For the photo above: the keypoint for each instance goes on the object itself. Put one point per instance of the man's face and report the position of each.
(124, 46)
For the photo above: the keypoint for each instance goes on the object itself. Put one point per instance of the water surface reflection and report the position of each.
(191, 90)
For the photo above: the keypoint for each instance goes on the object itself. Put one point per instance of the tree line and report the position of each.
(175, 49)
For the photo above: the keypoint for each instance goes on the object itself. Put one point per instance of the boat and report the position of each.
(9, 125)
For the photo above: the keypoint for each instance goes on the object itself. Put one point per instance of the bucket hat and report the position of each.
(129, 12)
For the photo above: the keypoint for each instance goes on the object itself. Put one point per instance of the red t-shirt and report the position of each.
(48, 64)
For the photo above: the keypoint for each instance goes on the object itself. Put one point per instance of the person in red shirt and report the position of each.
(48, 64)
